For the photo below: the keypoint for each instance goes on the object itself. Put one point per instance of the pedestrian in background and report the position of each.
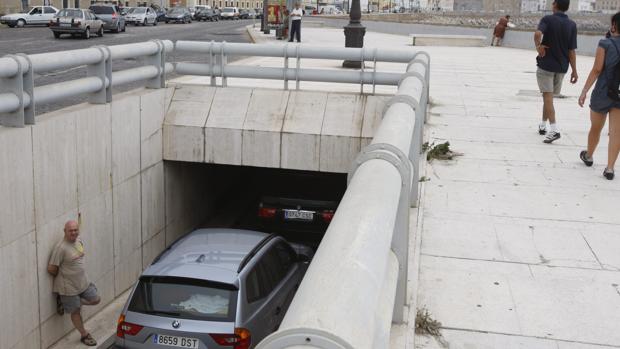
(605, 61)
(67, 266)
(500, 30)
(556, 42)
(296, 15)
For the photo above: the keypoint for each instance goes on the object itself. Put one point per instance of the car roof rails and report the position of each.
(254, 251)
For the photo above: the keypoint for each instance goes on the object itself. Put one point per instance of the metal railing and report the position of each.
(19, 97)
(356, 285)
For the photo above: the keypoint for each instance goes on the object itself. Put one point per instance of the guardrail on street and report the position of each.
(19, 97)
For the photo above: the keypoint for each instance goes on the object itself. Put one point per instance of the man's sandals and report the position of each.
(89, 340)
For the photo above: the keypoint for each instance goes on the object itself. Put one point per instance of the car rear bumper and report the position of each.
(174, 19)
(110, 25)
(68, 30)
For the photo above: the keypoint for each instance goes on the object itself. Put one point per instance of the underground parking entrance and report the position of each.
(298, 205)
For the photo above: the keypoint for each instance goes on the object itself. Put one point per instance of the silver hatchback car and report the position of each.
(213, 288)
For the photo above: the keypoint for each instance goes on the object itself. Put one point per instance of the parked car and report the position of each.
(213, 288)
(247, 14)
(36, 15)
(230, 13)
(161, 14)
(141, 16)
(259, 13)
(76, 22)
(125, 10)
(206, 15)
(178, 15)
(111, 17)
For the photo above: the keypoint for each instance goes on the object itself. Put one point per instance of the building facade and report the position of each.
(468, 5)
(607, 6)
(512, 7)
(437, 5)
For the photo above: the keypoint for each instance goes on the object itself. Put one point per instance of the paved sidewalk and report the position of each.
(520, 243)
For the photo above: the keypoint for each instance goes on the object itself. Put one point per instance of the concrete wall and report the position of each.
(102, 163)
(586, 44)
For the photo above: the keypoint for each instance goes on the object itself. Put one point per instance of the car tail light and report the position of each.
(266, 212)
(241, 339)
(327, 215)
(114, 15)
(128, 328)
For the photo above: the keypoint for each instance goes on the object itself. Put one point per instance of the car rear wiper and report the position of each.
(162, 312)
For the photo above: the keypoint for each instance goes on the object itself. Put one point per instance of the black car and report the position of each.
(206, 15)
(259, 13)
(161, 14)
(178, 15)
(299, 203)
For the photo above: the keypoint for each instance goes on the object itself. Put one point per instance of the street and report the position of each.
(39, 39)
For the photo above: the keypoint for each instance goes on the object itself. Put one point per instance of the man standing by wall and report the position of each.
(296, 23)
(556, 41)
(500, 30)
(70, 282)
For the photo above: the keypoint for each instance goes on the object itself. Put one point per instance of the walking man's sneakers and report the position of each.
(551, 137)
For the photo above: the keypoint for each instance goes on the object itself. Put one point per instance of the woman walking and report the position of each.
(607, 57)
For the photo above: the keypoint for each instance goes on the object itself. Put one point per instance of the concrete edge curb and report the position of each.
(253, 37)
(417, 253)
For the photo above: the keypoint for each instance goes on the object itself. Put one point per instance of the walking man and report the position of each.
(296, 15)
(70, 282)
(556, 41)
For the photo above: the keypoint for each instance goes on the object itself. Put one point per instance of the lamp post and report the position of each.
(354, 32)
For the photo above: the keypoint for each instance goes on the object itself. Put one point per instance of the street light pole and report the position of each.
(354, 32)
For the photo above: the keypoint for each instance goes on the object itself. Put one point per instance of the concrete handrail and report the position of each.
(356, 284)
(19, 97)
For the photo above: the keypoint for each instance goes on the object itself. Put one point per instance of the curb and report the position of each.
(253, 36)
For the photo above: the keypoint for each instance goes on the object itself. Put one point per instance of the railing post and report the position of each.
(223, 62)
(28, 83)
(285, 77)
(159, 60)
(20, 85)
(103, 71)
(212, 64)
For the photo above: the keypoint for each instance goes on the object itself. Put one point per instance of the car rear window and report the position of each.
(102, 10)
(69, 13)
(185, 298)
(229, 9)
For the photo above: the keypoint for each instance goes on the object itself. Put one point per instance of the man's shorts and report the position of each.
(549, 81)
(72, 303)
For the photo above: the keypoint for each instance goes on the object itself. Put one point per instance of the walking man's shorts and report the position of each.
(549, 81)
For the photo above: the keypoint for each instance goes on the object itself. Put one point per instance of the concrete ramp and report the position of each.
(302, 130)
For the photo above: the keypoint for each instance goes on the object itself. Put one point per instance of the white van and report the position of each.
(230, 13)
